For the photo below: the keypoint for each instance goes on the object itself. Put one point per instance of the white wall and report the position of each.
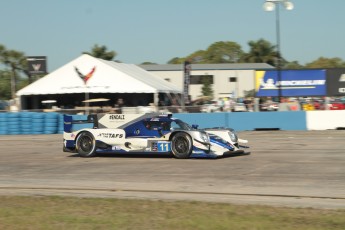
(323, 120)
(222, 86)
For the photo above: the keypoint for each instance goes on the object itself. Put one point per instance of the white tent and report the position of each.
(108, 77)
(104, 77)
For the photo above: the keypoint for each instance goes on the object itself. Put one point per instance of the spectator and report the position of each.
(119, 104)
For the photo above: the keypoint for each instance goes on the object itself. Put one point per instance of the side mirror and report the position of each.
(194, 126)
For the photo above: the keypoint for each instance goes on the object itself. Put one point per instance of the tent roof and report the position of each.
(221, 66)
(108, 77)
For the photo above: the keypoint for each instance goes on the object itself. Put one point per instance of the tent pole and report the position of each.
(87, 103)
(156, 101)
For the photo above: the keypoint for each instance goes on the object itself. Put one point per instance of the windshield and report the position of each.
(178, 124)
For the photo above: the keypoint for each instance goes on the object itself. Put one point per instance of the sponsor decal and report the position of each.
(342, 78)
(302, 83)
(161, 146)
(110, 135)
(341, 90)
(117, 117)
(154, 146)
(269, 84)
(86, 77)
(37, 64)
(115, 148)
(36, 67)
(290, 83)
(296, 84)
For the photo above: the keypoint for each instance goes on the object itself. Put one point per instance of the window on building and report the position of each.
(198, 79)
(233, 79)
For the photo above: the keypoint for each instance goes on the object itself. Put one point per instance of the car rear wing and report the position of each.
(76, 122)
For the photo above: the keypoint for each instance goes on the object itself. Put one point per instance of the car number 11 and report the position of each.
(164, 146)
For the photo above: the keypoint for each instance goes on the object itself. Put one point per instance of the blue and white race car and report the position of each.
(153, 133)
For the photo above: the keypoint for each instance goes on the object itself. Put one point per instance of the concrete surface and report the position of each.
(285, 168)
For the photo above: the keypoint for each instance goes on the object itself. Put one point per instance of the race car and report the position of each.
(153, 133)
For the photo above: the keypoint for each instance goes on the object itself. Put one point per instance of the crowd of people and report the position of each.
(250, 104)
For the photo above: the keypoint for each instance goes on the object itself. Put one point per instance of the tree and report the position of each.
(101, 52)
(292, 65)
(261, 51)
(2, 50)
(323, 62)
(249, 93)
(223, 52)
(16, 61)
(148, 63)
(176, 60)
(206, 86)
(5, 85)
(218, 52)
(197, 57)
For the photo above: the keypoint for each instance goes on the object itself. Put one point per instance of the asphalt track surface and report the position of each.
(285, 168)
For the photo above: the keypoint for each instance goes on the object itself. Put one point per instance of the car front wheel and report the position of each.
(181, 145)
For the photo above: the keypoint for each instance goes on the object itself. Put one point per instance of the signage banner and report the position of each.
(335, 82)
(37, 65)
(187, 67)
(293, 83)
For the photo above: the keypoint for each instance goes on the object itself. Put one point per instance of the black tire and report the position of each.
(86, 145)
(181, 145)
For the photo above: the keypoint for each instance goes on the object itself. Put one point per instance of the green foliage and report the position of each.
(206, 86)
(16, 64)
(323, 62)
(46, 212)
(292, 65)
(218, 52)
(176, 60)
(249, 93)
(223, 52)
(148, 63)
(101, 52)
(5, 85)
(197, 57)
(261, 51)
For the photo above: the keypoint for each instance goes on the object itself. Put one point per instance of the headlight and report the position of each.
(204, 137)
(233, 136)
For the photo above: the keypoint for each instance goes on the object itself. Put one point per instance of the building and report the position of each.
(228, 80)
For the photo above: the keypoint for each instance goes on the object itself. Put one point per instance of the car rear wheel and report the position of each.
(181, 145)
(86, 145)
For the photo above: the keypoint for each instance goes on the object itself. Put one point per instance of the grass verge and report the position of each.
(50, 212)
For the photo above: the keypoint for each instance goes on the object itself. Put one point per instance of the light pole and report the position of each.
(271, 5)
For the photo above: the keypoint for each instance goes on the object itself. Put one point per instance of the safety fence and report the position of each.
(14, 123)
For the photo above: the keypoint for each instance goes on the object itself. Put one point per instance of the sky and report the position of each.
(159, 30)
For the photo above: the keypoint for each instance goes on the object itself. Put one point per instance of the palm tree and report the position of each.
(261, 51)
(101, 52)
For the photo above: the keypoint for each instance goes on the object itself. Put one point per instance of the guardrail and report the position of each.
(15, 123)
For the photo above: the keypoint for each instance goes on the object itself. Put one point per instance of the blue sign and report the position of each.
(163, 146)
(292, 83)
